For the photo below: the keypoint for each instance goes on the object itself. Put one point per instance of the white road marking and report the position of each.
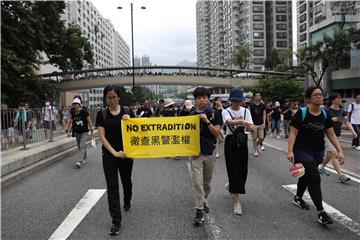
(90, 198)
(334, 213)
(277, 148)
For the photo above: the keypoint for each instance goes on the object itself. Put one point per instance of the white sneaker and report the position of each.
(271, 135)
(262, 148)
(237, 209)
(278, 136)
(78, 164)
(357, 148)
(256, 154)
(217, 155)
(353, 146)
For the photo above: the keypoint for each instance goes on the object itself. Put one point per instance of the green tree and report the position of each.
(241, 56)
(29, 28)
(330, 52)
(280, 88)
(272, 60)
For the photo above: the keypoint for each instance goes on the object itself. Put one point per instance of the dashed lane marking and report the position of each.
(90, 198)
(333, 212)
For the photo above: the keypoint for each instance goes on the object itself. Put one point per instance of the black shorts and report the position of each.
(47, 125)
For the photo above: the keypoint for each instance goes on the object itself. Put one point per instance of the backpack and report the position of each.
(104, 111)
(238, 137)
(352, 109)
(304, 111)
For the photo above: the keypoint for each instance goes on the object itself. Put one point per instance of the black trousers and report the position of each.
(311, 178)
(236, 159)
(112, 167)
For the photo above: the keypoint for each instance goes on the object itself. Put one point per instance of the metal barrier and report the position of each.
(21, 127)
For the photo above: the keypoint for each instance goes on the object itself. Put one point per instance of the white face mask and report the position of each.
(47, 104)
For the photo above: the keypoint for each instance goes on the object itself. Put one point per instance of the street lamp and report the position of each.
(132, 45)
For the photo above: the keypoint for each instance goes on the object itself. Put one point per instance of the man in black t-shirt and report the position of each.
(335, 112)
(202, 167)
(306, 146)
(287, 113)
(258, 115)
(145, 110)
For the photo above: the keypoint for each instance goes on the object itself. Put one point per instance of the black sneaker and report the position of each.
(206, 208)
(323, 218)
(300, 203)
(127, 207)
(199, 217)
(115, 229)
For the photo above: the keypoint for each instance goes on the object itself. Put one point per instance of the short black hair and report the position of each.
(333, 96)
(256, 92)
(310, 90)
(201, 91)
(161, 101)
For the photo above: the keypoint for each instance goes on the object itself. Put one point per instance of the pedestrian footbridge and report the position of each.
(156, 75)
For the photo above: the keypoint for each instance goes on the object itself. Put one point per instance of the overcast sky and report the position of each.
(165, 30)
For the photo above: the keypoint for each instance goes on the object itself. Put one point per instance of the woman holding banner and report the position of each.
(238, 121)
(108, 121)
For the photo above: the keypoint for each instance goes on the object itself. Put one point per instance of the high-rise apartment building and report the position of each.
(317, 18)
(222, 26)
(109, 48)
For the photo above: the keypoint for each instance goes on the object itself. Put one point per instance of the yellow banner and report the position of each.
(161, 137)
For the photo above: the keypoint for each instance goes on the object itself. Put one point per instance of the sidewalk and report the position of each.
(16, 164)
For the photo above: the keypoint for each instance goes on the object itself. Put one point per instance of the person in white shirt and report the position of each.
(238, 121)
(48, 115)
(354, 118)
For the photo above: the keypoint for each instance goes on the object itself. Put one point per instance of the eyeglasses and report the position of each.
(112, 98)
(317, 94)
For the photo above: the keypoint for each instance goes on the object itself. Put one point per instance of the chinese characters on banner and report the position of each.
(161, 137)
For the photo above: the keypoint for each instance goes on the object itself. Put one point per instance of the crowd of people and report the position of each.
(312, 133)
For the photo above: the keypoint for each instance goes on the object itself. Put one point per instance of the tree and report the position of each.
(272, 60)
(241, 56)
(279, 60)
(29, 28)
(280, 88)
(330, 52)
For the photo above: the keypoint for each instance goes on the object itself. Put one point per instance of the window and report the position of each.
(281, 26)
(303, 27)
(258, 43)
(302, 18)
(280, 2)
(258, 35)
(258, 9)
(281, 35)
(258, 60)
(281, 18)
(302, 37)
(302, 8)
(281, 9)
(259, 52)
(258, 18)
(258, 26)
(281, 43)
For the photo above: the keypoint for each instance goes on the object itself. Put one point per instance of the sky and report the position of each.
(165, 30)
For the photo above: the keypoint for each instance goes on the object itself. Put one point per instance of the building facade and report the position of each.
(222, 26)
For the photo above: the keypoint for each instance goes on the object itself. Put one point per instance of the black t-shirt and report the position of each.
(112, 126)
(185, 112)
(6, 120)
(80, 123)
(257, 113)
(311, 131)
(276, 113)
(219, 111)
(336, 113)
(288, 114)
(168, 112)
(206, 136)
(144, 112)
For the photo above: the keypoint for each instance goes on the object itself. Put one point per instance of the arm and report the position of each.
(349, 126)
(291, 141)
(264, 119)
(107, 145)
(90, 125)
(333, 139)
(215, 130)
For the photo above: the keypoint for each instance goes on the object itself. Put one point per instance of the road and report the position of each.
(162, 202)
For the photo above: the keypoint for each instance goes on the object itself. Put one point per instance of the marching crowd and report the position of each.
(312, 132)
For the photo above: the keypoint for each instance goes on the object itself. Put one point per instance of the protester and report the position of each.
(354, 117)
(306, 146)
(288, 114)
(108, 121)
(7, 126)
(145, 110)
(22, 123)
(218, 108)
(159, 108)
(168, 110)
(258, 115)
(49, 115)
(202, 167)
(81, 123)
(335, 112)
(236, 118)
(275, 115)
(188, 107)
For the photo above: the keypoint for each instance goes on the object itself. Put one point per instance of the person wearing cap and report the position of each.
(237, 118)
(202, 166)
(188, 107)
(335, 112)
(81, 123)
(275, 116)
(169, 110)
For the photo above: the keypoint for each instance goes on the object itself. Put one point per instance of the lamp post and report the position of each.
(132, 45)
